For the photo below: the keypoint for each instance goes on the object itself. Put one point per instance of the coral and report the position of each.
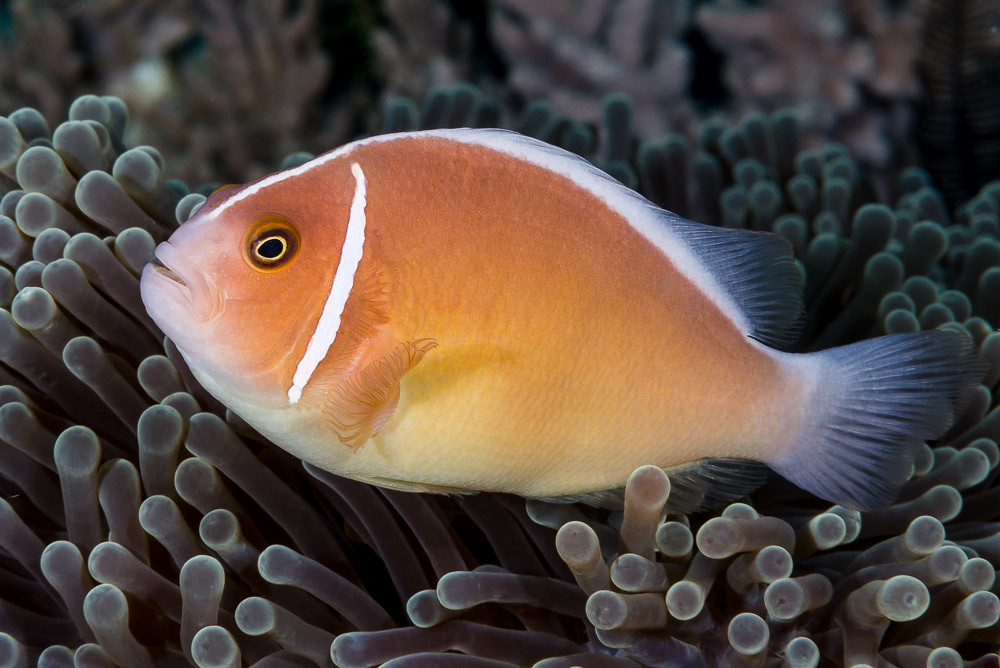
(236, 86)
(141, 523)
(248, 91)
(231, 87)
(848, 68)
(37, 59)
(421, 46)
(576, 53)
(958, 125)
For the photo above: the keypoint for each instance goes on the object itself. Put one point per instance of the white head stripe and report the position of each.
(343, 282)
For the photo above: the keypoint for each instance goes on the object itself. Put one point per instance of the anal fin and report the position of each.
(418, 487)
(363, 402)
(707, 483)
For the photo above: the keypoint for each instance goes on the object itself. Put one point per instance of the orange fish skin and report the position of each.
(543, 314)
(507, 329)
(562, 334)
(244, 344)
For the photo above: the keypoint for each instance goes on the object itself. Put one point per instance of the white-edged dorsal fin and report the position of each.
(759, 274)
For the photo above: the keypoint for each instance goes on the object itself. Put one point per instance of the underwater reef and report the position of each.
(232, 86)
(141, 523)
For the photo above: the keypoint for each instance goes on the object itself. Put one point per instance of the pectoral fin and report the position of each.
(364, 402)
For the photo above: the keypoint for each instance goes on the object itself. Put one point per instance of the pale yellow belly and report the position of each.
(513, 427)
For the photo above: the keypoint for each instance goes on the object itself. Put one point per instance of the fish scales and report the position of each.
(563, 333)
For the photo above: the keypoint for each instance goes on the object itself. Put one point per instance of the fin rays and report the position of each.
(364, 402)
(877, 402)
(699, 485)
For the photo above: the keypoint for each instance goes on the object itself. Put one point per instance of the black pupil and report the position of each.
(271, 249)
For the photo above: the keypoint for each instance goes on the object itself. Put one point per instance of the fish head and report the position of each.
(239, 286)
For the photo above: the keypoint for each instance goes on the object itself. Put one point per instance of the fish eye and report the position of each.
(271, 249)
(271, 243)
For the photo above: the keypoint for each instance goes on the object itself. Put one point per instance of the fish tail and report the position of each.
(874, 403)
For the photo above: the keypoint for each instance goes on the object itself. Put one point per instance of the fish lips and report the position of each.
(173, 281)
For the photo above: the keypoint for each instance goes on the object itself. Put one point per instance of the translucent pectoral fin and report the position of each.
(364, 401)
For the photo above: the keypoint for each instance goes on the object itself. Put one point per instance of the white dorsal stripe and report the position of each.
(635, 209)
(255, 187)
(639, 213)
(343, 282)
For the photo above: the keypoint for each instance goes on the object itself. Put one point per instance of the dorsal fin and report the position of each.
(749, 275)
(759, 274)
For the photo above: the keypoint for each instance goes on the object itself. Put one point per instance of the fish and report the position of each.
(471, 310)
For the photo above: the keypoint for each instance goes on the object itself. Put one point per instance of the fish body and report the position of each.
(473, 310)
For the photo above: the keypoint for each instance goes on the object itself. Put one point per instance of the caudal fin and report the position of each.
(877, 401)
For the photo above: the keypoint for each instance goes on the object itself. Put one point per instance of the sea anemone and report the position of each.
(142, 523)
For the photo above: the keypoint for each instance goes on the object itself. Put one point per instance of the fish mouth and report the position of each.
(163, 270)
(184, 282)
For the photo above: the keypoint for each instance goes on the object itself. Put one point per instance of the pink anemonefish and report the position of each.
(475, 310)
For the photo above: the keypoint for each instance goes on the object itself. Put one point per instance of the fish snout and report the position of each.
(175, 277)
